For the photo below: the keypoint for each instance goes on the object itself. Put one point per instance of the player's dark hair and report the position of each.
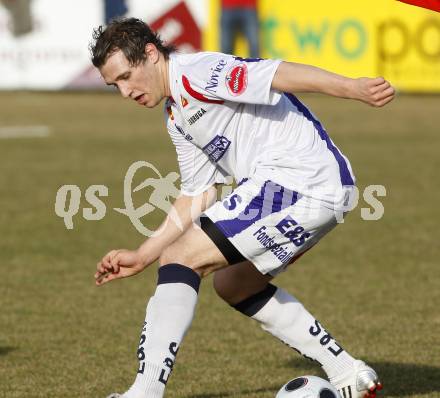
(130, 35)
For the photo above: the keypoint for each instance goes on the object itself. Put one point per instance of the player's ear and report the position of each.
(152, 52)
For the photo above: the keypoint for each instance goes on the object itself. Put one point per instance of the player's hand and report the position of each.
(375, 92)
(118, 264)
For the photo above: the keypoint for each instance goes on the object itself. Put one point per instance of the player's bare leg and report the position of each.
(239, 282)
(282, 315)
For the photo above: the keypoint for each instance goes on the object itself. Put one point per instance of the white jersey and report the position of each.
(224, 119)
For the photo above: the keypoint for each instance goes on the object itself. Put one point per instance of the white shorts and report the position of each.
(267, 224)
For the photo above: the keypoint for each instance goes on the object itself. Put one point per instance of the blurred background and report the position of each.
(43, 43)
(373, 284)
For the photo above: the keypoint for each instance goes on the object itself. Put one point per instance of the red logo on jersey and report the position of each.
(236, 79)
(195, 94)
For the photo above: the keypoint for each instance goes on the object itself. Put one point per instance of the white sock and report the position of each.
(169, 315)
(285, 317)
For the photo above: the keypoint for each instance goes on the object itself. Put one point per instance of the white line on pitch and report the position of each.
(24, 132)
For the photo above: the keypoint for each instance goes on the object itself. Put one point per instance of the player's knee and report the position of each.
(175, 255)
(171, 255)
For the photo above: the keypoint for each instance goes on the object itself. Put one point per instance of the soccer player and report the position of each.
(238, 117)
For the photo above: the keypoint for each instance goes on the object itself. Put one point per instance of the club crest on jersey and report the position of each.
(217, 147)
(236, 79)
(196, 116)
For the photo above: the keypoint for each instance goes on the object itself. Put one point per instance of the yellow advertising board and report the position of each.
(355, 38)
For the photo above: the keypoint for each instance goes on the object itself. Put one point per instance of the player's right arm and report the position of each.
(198, 179)
(124, 263)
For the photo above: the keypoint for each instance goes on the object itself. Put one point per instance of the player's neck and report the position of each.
(166, 77)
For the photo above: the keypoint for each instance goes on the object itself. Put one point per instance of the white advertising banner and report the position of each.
(44, 43)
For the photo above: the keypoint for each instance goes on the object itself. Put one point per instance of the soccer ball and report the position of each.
(308, 387)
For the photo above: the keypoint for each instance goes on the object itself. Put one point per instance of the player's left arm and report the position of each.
(293, 77)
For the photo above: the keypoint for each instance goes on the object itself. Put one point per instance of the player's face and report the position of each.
(143, 83)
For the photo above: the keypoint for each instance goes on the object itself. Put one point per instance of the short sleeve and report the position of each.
(217, 76)
(197, 172)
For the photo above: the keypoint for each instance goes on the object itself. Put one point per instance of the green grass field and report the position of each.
(375, 285)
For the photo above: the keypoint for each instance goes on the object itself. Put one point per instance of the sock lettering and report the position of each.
(315, 330)
(140, 351)
(169, 363)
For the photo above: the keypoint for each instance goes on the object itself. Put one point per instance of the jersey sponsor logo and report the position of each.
(182, 132)
(231, 203)
(195, 94)
(196, 116)
(293, 231)
(212, 84)
(236, 79)
(217, 147)
(183, 101)
(282, 253)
